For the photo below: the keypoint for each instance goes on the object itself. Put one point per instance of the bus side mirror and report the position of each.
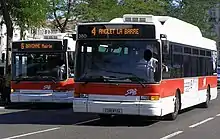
(165, 43)
(165, 46)
(3, 57)
(65, 41)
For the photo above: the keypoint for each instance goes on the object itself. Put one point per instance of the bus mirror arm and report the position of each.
(165, 43)
(165, 68)
(165, 46)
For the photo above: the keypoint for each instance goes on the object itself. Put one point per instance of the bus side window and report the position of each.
(71, 60)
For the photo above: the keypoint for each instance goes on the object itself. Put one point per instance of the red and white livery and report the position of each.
(42, 70)
(113, 79)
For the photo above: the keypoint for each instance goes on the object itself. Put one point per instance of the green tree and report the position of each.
(195, 12)
(61, 11)
(98, 10)
(153, 7)
(26, 16)
(6, 7)
(105, 10)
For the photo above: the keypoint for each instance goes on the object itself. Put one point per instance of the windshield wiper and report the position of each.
(53, 79)
(19, 79)
(95, 78)
(133, 76)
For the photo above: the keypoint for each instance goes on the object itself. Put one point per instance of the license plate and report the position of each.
(35, 100)
(112, 110)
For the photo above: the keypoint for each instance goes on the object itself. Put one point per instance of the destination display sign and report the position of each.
(37, 45)
(116, 31)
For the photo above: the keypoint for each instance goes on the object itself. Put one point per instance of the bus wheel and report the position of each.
(208, 96)
(174, 115)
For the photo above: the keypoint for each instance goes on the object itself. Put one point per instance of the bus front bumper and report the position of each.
(58, 97)
(117, 108)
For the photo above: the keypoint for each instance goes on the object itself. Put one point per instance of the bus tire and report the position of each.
(177, 105)
(208, 97)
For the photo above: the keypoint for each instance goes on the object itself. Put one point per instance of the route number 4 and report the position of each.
(93, 31)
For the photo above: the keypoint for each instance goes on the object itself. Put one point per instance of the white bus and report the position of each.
(42, 70)
(150, 66)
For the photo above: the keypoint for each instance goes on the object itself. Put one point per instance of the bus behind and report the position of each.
(42, 70)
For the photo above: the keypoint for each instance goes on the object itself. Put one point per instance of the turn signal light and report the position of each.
(150, 98)
(154, 97)
(76, 95)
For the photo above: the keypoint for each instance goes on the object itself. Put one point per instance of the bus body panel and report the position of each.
(27, 91)
(103, 100)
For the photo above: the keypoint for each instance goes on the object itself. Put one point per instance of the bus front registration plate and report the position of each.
(112, 110)
(36, 100)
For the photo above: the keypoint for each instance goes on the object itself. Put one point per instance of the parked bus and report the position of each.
(42, 70)
(143, 65)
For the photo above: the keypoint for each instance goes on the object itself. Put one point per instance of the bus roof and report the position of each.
(177, 31)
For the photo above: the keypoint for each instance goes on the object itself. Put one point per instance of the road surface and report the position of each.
(194, 123)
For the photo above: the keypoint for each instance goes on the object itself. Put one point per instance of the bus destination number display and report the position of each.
(125, 31)
(36, 46)
(116, 31)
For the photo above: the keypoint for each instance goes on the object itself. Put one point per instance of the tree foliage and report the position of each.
(105, 10)
(22, 13)
(61, 11)
(30, 14)
(25, 13)
(195, 12)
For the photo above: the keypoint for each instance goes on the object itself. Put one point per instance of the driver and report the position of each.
(149, 64)
(60, 69)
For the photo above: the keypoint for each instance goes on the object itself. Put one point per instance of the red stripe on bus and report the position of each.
(208, 80)
(165, 89)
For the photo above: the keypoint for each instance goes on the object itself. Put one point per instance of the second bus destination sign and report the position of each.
(116, 31)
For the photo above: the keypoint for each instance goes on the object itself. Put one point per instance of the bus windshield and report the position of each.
(39, 66)
(117, 61)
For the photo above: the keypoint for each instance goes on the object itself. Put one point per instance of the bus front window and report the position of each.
(39, 66)
(118, 61)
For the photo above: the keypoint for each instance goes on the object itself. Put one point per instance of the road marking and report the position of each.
(172, 135)
(202, 122)
(92, 120)
(2, 107)
(218, 115)
(31, 133)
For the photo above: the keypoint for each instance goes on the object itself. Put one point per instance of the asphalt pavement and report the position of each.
(37, 123)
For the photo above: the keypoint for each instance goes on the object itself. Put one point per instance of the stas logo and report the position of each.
(47, 87)
(131, 92)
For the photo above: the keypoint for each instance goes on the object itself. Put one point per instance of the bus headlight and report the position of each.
(83, 95)
(78, 95)
(12, 90)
